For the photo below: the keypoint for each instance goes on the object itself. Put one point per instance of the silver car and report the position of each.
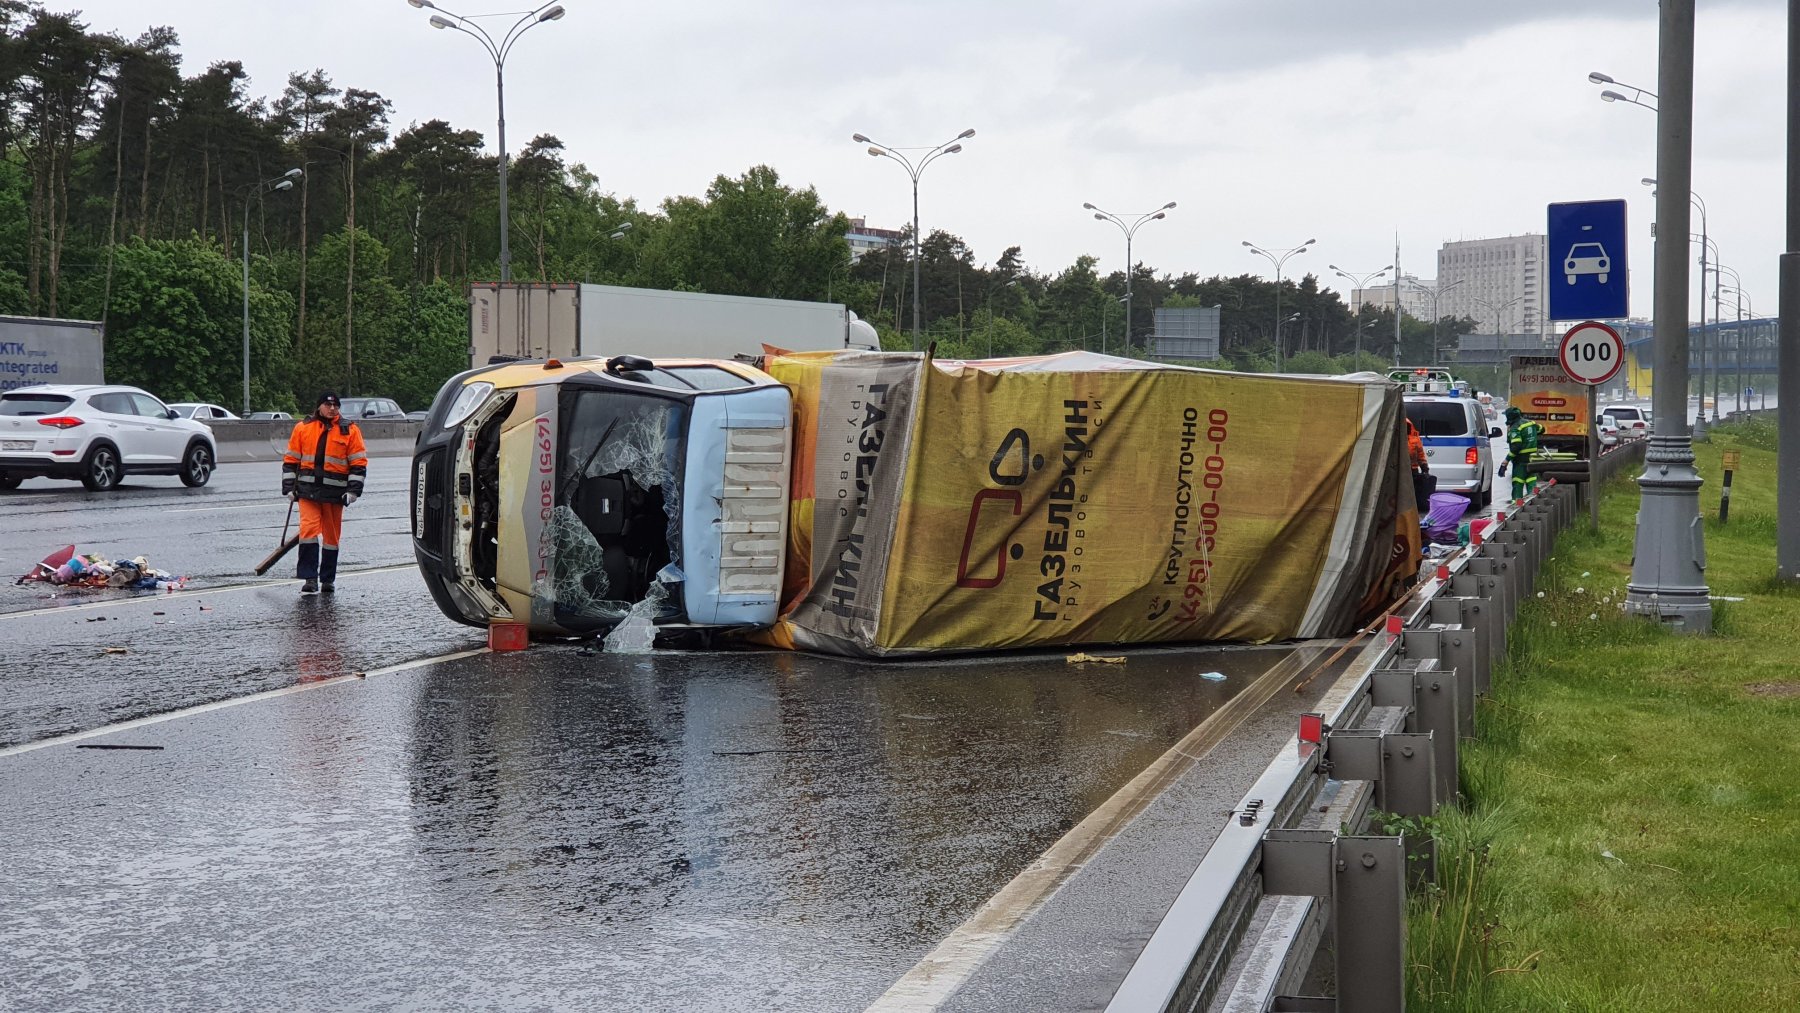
(1455, 433)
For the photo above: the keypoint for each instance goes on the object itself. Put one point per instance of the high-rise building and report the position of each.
(1498, 283)
(864, 239)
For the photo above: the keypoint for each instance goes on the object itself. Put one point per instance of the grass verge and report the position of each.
(1632, 833)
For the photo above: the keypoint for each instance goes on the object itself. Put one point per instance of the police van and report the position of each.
(1454, 428)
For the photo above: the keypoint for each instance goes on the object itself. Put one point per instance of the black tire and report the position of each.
(101, 469)
(1487, 494)
(9, 482)
(197, 464)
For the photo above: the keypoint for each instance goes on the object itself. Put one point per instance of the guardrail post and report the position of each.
(1364, 879)
(1454, 650)
(1471, 615)
(1495, 567)
(1482, 590)
(1430, 691)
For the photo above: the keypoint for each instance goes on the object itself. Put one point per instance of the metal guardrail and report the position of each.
(241, 440)
(1295, 871)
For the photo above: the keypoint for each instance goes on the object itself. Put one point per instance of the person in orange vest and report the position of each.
(323, 471)
(1423, 485)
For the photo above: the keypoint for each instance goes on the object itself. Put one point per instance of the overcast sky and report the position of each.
(1274, 121)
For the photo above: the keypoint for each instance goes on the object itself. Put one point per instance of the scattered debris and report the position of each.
(1213, 676)
(759, 752)
(115, 650)
(1083, 658)
(65, 568)
(112, 745)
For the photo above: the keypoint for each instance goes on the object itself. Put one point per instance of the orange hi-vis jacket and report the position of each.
(324, 460)
(1415, 447)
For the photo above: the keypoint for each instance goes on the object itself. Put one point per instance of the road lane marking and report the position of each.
(218, 705)
(947, 967)
(143, 599)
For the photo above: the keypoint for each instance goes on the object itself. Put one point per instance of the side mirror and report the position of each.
(628, 364)
(1495, 433)
(369, 413)
(170, 413)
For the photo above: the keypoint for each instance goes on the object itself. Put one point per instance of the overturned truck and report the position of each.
(885, 504)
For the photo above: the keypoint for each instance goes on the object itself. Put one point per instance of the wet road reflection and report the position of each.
(562, 829)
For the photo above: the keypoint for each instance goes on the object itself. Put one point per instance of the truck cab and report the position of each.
(567, 495)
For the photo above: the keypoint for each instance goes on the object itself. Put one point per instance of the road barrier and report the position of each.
(1297, 881)
(239, 440)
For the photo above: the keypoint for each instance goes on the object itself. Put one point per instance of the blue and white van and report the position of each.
(1456, 433)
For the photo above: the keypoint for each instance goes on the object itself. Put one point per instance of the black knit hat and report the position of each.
(328, 397)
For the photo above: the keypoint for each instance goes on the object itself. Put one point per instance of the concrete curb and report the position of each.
(240, 441)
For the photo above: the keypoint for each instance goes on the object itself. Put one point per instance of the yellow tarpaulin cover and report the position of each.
(1085, 499)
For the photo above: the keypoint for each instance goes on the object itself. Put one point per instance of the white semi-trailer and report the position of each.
(536, 321)
(36, 350)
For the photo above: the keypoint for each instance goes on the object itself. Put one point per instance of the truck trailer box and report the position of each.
(1086, 499)
(528, 320)
(1549, 396)
(36, 350)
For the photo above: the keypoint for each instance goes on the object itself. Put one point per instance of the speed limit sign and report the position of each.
(1591, 353)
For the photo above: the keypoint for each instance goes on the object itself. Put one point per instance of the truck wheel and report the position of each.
(9, 482)
(101, 470)
(196, 464)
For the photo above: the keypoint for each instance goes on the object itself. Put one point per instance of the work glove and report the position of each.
(293, 497)
(349, 498)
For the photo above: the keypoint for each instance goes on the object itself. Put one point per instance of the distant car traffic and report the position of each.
(270, 417)
(1455, 433)
(98, 434)
(1608, 428)
(1633, 420)
(418, 416)
(354, 408)
(192, 410)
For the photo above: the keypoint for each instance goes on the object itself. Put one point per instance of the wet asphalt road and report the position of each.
(557, 829)
(229, 633)
(554, 829)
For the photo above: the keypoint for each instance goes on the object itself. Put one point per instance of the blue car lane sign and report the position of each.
(1586, 276)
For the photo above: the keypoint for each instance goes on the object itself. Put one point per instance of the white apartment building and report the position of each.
(1416, 295)
(1498, 283)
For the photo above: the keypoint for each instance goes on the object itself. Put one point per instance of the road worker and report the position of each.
(1522, 438)
(323, 471)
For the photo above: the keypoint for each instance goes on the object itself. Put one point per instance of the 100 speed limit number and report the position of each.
(1591, 353)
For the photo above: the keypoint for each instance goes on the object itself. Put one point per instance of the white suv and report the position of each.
(98, 435)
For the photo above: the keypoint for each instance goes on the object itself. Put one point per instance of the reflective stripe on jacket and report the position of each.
(324, 461)
(1522, 442)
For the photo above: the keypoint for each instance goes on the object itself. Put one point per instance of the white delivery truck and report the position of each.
(36, 350)
(527, 320)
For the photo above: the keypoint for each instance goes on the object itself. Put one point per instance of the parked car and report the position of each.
(98, 434)
(418, 416)
(1608, 427)
(1455, 433)
(270, 417)
(192, 410)
(1633, 420)
(355, 408)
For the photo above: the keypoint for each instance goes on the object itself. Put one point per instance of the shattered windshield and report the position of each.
(615, 524)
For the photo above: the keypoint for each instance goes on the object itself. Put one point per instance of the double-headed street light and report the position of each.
(914, 170)
(1130, 230)
(1361, 282)
(1279, 259)
(1436, 292)
(285, 181)
(1636, 98)
(499, 51)
(1743, 381)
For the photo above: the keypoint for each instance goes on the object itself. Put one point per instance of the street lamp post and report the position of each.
(1129, 230)
(1668, 566)
(913, 170)
(1719, 340)
(1636, 97)
(617, 233)
(1496, 309)
(1360, 282)
(1699, 432)
(1437, 293)
(285, 181)
(499, 51)
(1743, 379)
(1278, 259)
(990, 311)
